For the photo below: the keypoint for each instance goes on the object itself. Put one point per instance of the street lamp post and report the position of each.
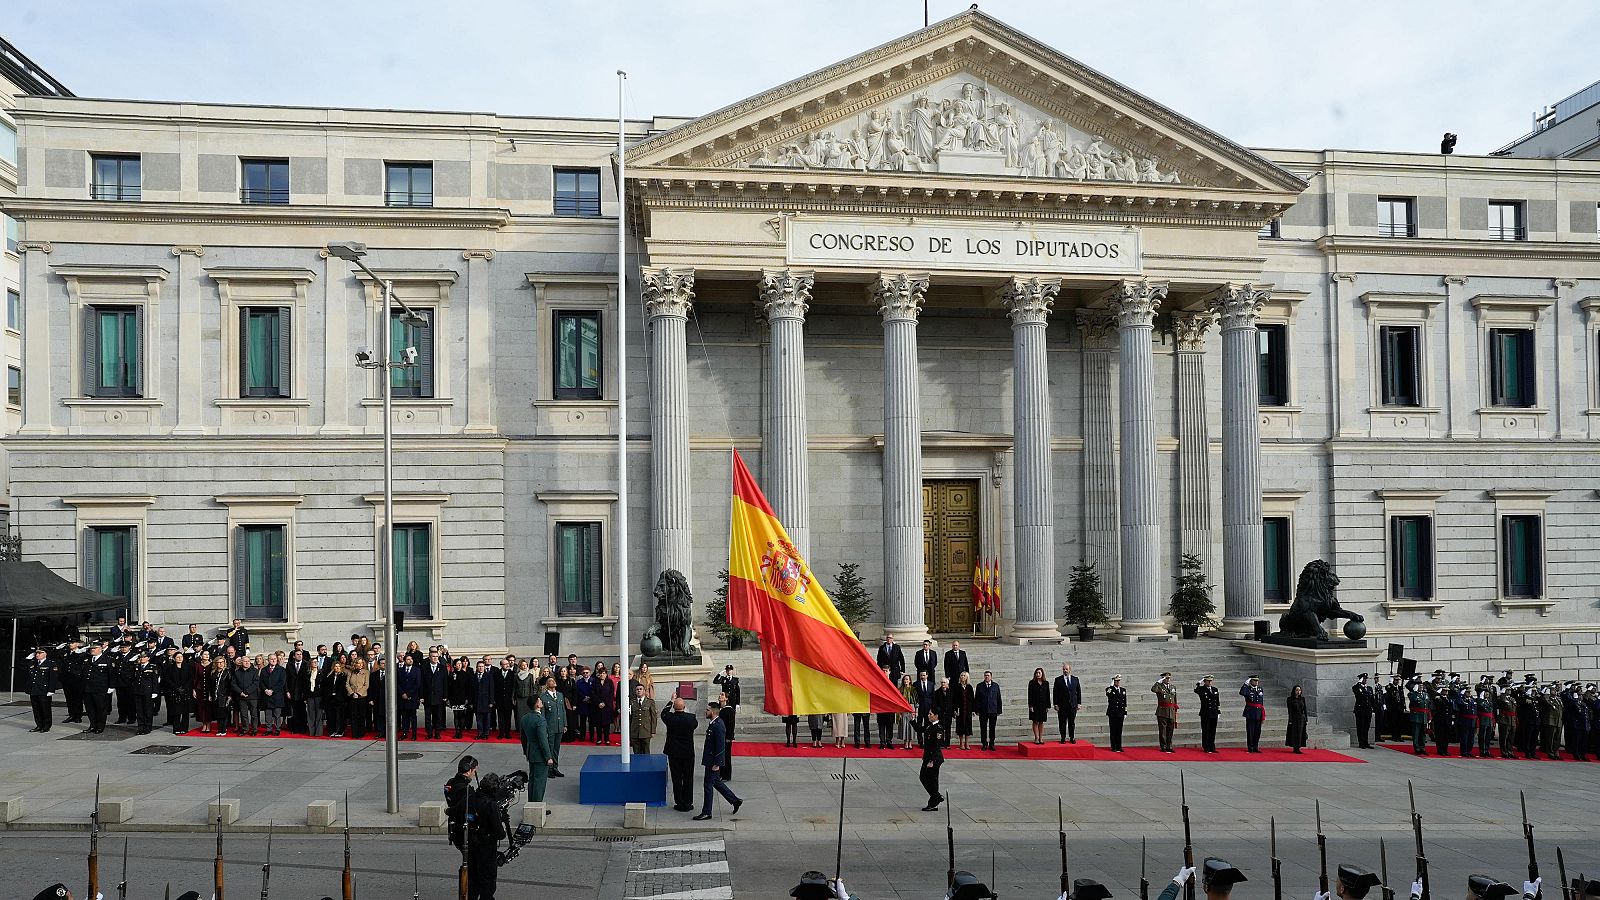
(378, 359)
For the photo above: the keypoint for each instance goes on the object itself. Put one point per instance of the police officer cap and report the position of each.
(195, 895)
(1362, 677)
(813, 886)
(1530, 677)
(1357, 881)
(53, 892)
(1487, 888)
(1581, 886)
(966, 886)
(1166, 674)
(1221, 873)
(1089, 889)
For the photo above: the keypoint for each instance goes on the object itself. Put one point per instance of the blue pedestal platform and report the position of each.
(604, 780)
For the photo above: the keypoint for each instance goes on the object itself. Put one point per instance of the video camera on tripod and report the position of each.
(480, 815)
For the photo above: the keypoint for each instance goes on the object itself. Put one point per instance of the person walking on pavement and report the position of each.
(932, 761)
(713, 756)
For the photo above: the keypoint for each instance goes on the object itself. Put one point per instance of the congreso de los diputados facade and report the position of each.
(957, 300)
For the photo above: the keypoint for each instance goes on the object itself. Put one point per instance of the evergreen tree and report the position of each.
(716, 620)
(850, 596)
(1086, 605)
(1191, 603)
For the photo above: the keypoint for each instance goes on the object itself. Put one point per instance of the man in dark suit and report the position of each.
(119, 629)
(890, 655)
(986, 701)
(435, 690)
(712, 756)
(955, 662)
(1066, 696)
(680, 727)
(925, 690)
(927, 660)
(505, 704)
(408, 693)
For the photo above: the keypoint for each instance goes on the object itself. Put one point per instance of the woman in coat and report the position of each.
(460, 696)
(197, 690)
(962, 700)
(604, 696)
(1038, 704)
(333, 689)
(219, 689)
(1297, 719)
(524, 687)
(814, 724)
(356, 685)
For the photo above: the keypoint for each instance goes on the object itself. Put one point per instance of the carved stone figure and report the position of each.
(1314, 602)
(674, 625)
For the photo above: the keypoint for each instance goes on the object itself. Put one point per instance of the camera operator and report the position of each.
(476, 828)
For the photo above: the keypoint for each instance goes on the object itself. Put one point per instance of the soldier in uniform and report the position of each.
(1482, 887)
(1465, 707)
(1116, 711)
(98, 684)
(1353, 884)
(1528, 710)
(1366, 704)
(1396, 711)
(1505, 715)
(1485, 719)
(74, 665)
(146, 683)
(40, 683)
(1550, 720)
(1210, 711)
(1166, 710)
(1591, 696)
(1255, 712)
(1444, 717)
(641, 720)
(1417, 703)
(1217, 880)
(1087, 889)
(1574, 720)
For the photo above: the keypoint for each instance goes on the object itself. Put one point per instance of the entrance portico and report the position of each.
(1136, 222)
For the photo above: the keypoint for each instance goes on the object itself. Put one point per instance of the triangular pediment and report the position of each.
(969, 96)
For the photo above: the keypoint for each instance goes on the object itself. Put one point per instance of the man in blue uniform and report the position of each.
(1255, 712)
(713, 756)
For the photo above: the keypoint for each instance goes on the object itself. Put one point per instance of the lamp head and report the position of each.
(349, 251)
(408, 356)
(364, 356)
(413, 319)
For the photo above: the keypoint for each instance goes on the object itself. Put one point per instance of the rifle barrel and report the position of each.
(1322, 852)
(1277, 865)
(1188, 844)
(1061, 834)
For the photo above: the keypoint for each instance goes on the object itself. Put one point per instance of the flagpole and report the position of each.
(623, 545)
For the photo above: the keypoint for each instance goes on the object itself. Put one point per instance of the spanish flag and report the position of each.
(980, 587)
(810, 657)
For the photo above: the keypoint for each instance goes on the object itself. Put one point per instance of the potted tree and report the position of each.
(850, 597)
(1086, 606)
(1191, 605)
(716, 620)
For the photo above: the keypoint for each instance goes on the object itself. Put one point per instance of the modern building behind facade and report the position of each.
(957, 298)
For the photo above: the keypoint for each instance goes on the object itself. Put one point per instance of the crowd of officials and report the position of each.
(1514, 718)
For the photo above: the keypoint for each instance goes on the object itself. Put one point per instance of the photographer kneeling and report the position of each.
(477, 825)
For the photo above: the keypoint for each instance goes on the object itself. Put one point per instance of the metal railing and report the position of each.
(1508, 233)
(263, 195)
(577, 205)
(408, 198)
(1397, 229)
(114, 192)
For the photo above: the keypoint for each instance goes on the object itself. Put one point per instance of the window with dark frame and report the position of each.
(1411, 557)
(413, 569)
(1506, 221)
(579, 569)
(408, 184)
(1513, 379)
(264, 352)
(1270, 231)
(1278, 579)
(578, 355)
(111, 563)
(113, 350)
(115, 177)
(13, 309)
(14, 387)
(260, 572)
(1272, 364)
(411, 381)
(1522, 554)
(1400, 364)
(1397, 217)
(577, 192)
(264, 181)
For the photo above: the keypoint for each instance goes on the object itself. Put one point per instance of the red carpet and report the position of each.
(1078, 751)
(1455, 753)
(467, 737)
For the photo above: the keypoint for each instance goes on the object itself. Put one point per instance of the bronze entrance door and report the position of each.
(949, 553)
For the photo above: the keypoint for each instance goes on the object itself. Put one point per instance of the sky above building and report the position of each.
(1349, 74)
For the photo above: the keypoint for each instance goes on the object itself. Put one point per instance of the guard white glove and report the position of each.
(1530, 889)
(839, 890)
(1183, 876)
(1416, 889)
(1321, 895)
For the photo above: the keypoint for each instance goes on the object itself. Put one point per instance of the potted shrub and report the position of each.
(716, 620)
(850, 597)
(1191, 605)
(1086, 606)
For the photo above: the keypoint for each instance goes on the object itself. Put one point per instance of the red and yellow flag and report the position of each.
(994, 585)
(980, 587)
(810, 657)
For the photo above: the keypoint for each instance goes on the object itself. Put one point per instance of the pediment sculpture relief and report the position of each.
(964, 128)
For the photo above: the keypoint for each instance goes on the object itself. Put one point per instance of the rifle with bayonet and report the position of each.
(1277, 864)
(950, 842)
(1144, 883)
(1527, 835)
(1188, 844)
(1383, 869)
(266, 866)
(1061, 836)
(416, 882)
(1561, 872)
(1322, 853)
(217, 864)
(1416, 831)
(348, 879)
(94, 843)
(466, 840)
(122, 886)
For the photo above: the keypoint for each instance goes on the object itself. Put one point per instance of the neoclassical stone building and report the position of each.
(957, 298)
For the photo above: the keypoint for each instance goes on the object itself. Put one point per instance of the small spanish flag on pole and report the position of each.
(980, 587)
(810, 657)
(994, 585)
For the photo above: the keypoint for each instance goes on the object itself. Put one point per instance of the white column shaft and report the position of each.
(1238, 306)
(900, 300)
(1139, 507)
(784, 297)
(667, 295)
(1033, 494)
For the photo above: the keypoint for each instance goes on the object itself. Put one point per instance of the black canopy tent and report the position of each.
(29, 589)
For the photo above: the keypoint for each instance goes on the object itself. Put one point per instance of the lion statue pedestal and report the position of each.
(1314, 603)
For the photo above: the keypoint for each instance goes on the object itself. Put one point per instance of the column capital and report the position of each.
(477, 254)
(1029, 300)
(1191, 327)
(194, 250)
(786, 293)
(1238, 304)
(1457, 280)
(900, 295)
(34, 246)
(1098, 328)
(1135, 301)
(668, 291)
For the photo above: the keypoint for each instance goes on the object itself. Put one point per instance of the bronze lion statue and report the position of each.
(1314, 603)
(674, 625)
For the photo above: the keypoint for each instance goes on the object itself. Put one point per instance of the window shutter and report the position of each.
(423, 536)
(1507, 563)
(91, 560)
(1527, 373)
(1497, 394)
(1425, 558)
(1413, 337)
(1386, 364)
(241, 572)
(425, 355)
(133, 571)
(244, 352)
(285, 346)
(1396, 558)
(1536, 555)
(596, 570)
(138, 360)
(91, 352)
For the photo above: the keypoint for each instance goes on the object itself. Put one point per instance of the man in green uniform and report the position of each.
(1550, 721)
(536, 744)
(555, 722)
(641, 720)
(1418, 702)
(1166, 710)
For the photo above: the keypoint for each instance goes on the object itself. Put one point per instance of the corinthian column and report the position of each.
(1135, 303)
(1098, 330)
(1028, 300)
(668, 295)
(899, 298)
(1237, 305)
(785, 295)
(1194, 444)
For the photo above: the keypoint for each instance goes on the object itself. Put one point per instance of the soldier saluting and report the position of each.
(40, 684)
(1255, 712)
(1218, 878)
(1166, 710)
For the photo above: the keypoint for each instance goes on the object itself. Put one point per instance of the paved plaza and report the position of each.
(789, 820)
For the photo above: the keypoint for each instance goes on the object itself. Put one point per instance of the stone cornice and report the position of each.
(34, 209)
(1455, 247)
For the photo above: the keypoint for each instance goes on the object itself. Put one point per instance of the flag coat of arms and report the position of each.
(810, 658)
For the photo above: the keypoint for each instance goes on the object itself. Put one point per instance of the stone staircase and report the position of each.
(1139, 664)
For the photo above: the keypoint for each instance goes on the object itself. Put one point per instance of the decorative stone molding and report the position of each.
(1392, 608)
(1191, 326)
(1029, 300)
(900, 295)
(1238, 305)
(786, 293)
(190, 249)
(35, 246)
(477, 254)
(668, 291)
(1136, 302)
(1456, 280)
(1098, 328)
